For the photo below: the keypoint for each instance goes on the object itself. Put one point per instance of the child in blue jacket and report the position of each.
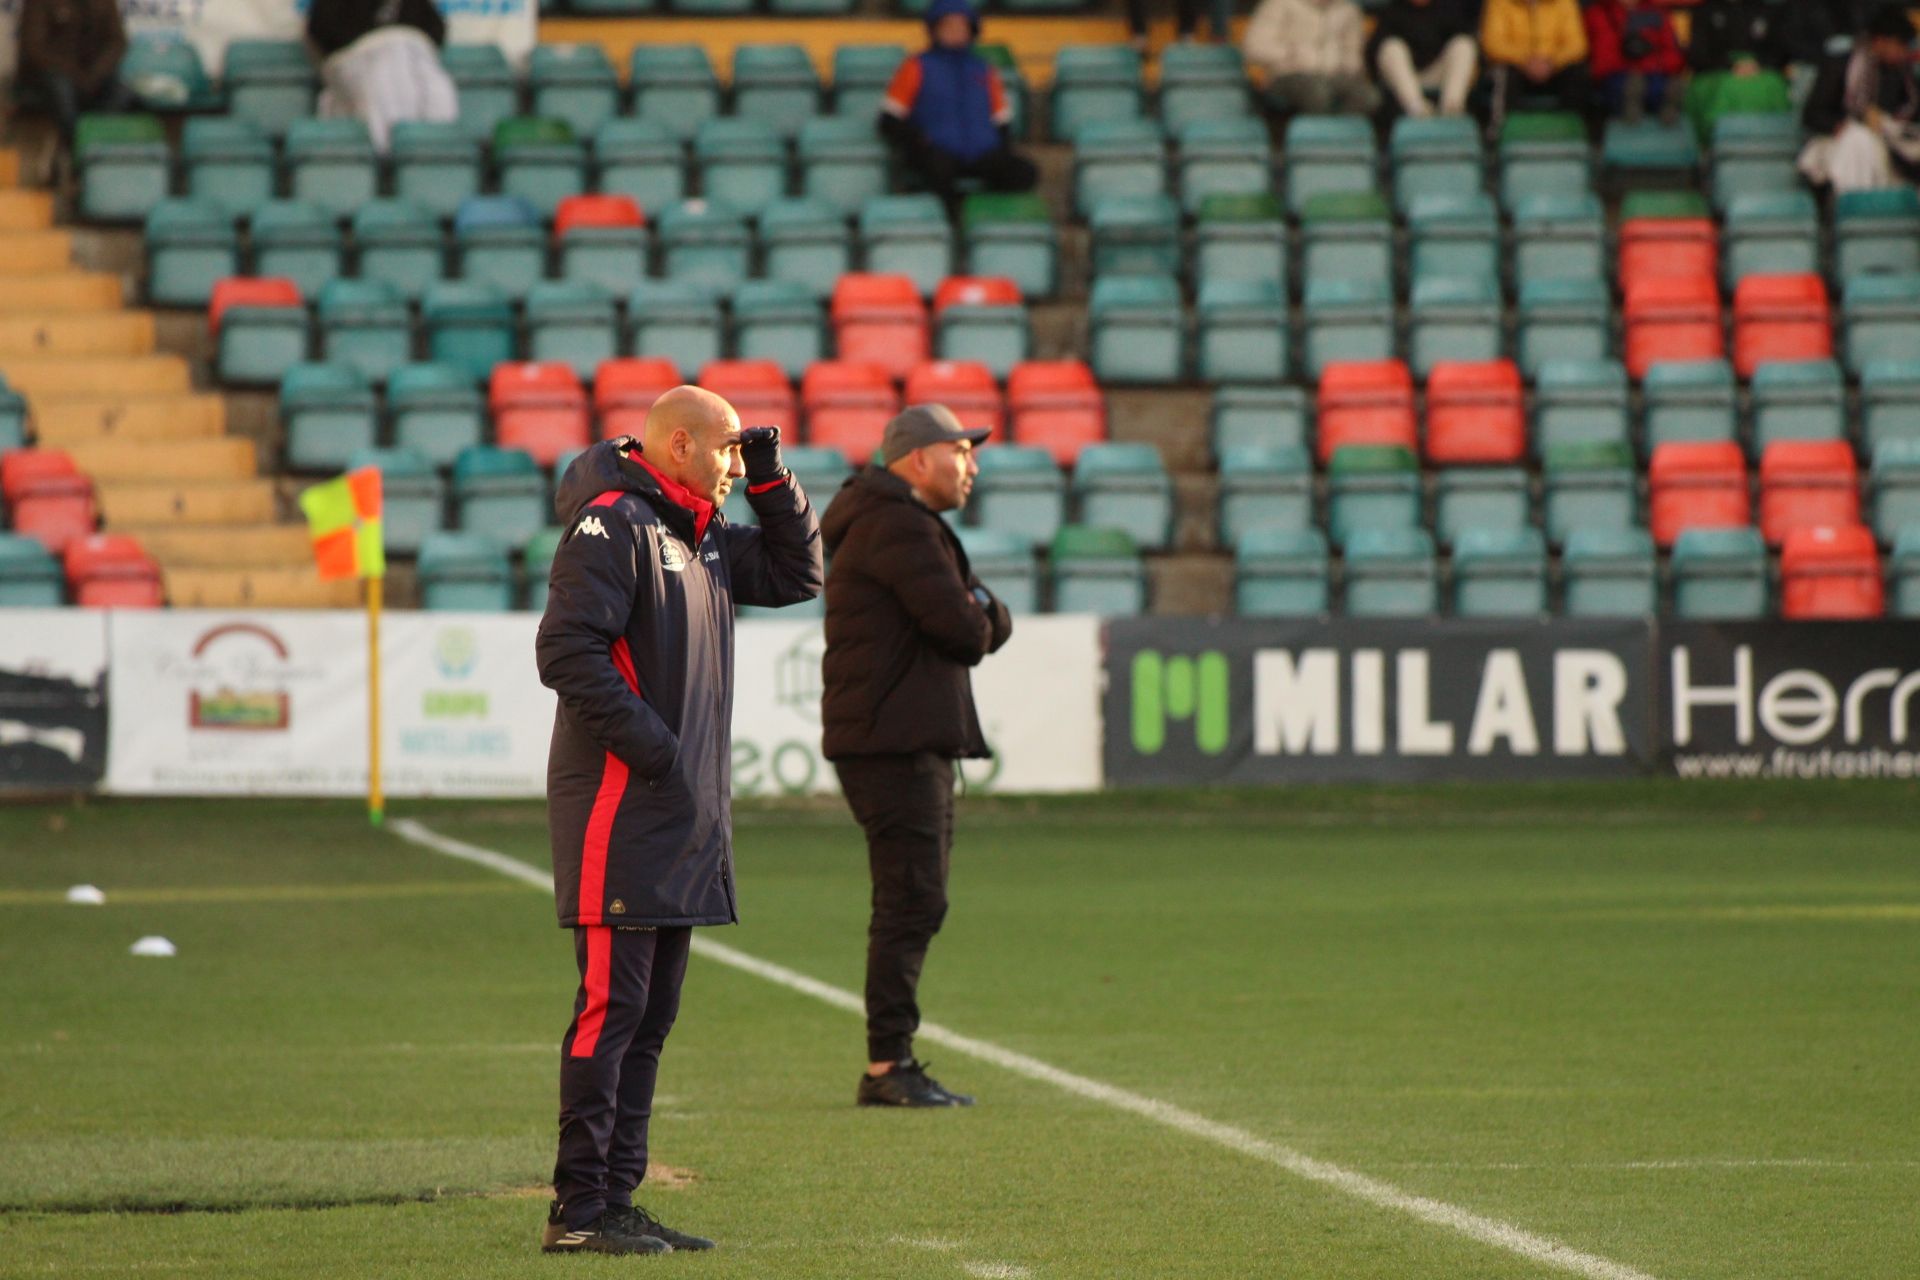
(947, 110)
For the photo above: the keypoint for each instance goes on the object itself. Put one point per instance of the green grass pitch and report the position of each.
(1675, 1029)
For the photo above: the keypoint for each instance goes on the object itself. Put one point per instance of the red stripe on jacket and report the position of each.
(606, 804)
(586, 1036)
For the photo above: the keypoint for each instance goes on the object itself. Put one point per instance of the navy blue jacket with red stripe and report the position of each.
(637, 641)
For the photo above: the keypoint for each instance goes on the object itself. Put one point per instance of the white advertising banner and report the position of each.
(53, 698)
(463, 709)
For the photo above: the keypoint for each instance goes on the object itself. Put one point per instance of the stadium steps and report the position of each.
(31, 253)
(53, 377)
(242, 547)
(215, 458)
(283, 587)
(25, 210)
(68, 334)
(58, 290)
(67, 419)
(225, 503)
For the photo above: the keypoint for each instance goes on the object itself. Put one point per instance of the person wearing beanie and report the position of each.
(946, 111)
(1313, 52)
(1863, 110)
(1426, 46)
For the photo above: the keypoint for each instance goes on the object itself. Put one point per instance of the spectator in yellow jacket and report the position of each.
(1536, 49)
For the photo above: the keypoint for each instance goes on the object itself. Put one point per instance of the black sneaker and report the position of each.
(607, 1233)
(633, 1218)
(908, 1085)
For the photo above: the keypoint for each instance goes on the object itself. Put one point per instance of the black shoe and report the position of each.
(633, 1218)
(607, 1233)
(908, 1085)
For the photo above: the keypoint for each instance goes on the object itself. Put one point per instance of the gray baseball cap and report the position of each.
(920, 425)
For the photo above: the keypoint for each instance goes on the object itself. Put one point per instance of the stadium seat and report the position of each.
(435, 410)
(1241, 331)
(575, 83)
(1137, 329)
(779, 321)
(536, 565)
(297, 241)
(1259, 416)
(1455, 319)
(601, 239)
(1364, 403)
(1020, 490)
(1201, 82)
(572, 321)
(742, 163)
(1876, 233)
(1328, 155)
(1371, 487)
(488, 89)
(1347, 234)
(819, 470)
(775, 83)
(1543, 151)
(1903, 574)
(1610, 573)
(1005, 563)
(1753, 154)
(676, 320)
(399, 242)
(1095, 82)
(47, 497)
(1056, 405)
(1672, 318)
(1798, 400)
(1696, 485)
(435, 165)
(965, 386)
(260, 329)
(1097, 571)
(539, 407)
(1654, 247)
(805, 243)
(1771, 234)
(164, 72)
(1580, 402)
(907, 236)
(1280, 573)
(1012, 236)
(842, 162)
(1889, 403)
(365, 324)
(1434, 156)
(1690, 401)
(861, 74)
(1348, 321)
(1264, 487)
(192, 245)
(1455, 235)
(642, 160)
(540, 160)
(1126, 156)
(123, 164)
(1780, 318)
(1480, 498)
(469, 326)
(1807, 484)
(328, 412)
(759, 389)
(674, 85)
(1652, 147)
(30, 577)
(1230, 156)
(468, 572)
(1135, 235)
(1881, 314)
(229, 163)
(1720, 573)
(1241, 238)
(1012, 80)
(1125, 486)
(700, 244)
(848, 407)
(501, 492)
(332, 164)
(625, 389)
(412, 495)
(13, 418)
(1558, 236)
(270, 82)
(1589, 485)
(1499, 573)
(112, 571)
(981, 319)
(1831, 573)
(501, 243)
(1895, 484)
(880, 319)
(1390, 573)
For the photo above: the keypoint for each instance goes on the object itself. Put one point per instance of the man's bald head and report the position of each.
(693, 438)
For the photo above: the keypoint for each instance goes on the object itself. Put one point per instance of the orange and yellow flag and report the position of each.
(344, 518)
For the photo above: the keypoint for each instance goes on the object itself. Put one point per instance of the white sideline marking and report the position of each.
(1369, 1190)
(995, 1270)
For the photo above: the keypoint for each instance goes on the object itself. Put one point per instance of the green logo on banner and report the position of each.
(1179, 688)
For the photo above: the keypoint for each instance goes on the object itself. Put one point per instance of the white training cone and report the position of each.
(153, 945)
(86, 895)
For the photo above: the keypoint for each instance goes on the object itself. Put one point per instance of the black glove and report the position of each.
(760, 451)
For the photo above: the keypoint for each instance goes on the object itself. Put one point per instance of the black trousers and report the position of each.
(1003, 170)
(905, 806)
(629, 994)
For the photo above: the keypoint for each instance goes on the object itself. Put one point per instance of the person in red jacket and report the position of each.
(1634, 57)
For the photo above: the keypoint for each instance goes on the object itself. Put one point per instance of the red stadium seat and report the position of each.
(1476, 413)
(112, 571)
(849, 404)
(1365, 402)
(1697, 485)
(251, 291)
(758, 390)
(1673, 318)
(975, 291)
(1807, 484)
(880, 320)
(596, 211)
(47, 496)
(1056, 405)
(539, 407)
(1831, 573)
(623, 391)
(964, 386)
(1651, 248)
(1780, 318)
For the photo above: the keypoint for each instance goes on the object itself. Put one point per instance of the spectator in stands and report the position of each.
(1863, 110)
(70, 51)
(382, 63)
(948, 114)
(1536, 49)
(1743, 37)
(1186, 18)
(1313, 52)
(1422, 46)
(1634, 58)
(1812, 29)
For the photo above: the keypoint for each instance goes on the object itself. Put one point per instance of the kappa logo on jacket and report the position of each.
(673, 558)
(590, 526)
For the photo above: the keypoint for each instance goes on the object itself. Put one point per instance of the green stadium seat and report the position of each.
(1264, 487)
(399, 242)
(1581, 402)
(676, 319)
(500, 491)
(1563, 320)
(1329, 155)
(1881, 318)
(1097, 571)
(640, 159)
(1135, 235)
(1664, 205)
(805, 242)
(332, 163)
(1591, 485)
(536, 564)
(1230, 156)
(1690, 401)
(775, 83)
(1019, 491)
(1903, 575)
(861, 74)
(907, 236)
(601, 239)
(575, 83)
(1650, 147)
(842, 162)
(260, 330)
(1265, 416)
(1435, 156)
(1241, 331)
(1137, 329)
(1280, 573)
(1347, 320)
(1753, 154)
(164, 72)
(1241, 237)
(674, 85)
(572, 322)
(1876, 232)
(298, 240)
(1720, 574)
(435, 165)
(1770, 234)
(328, 413)
(1095, 82)
(1347, 234)
(1889, 403)
(270, 82)
(1123, 157)
(1466, 498)
(700, 244)
(1499, 573)
(1893, 485)
(742, 163)
(124, 166)
(30, 577)
(1391, 573)
(435, 410)
(1454, 318)
(412, 496)
(1559, 237)
(1455, 235)
(981, 319)
(1201, 82)
(192, 245)
(819, 470)
(488, 89)
(1610, 573)
(1012, 236)
(501, 243)
(1543, 151)
(229, 163)
(1006, 564)
(1012, 82)
(469, 326)
(780, 321)
(1371, 487)
(1125, 486)
(13, 418)
(1798, 400)
(468, 572)
(539, 160)
(365, 324)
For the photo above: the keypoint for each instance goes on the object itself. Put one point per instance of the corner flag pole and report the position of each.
(376, 798)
